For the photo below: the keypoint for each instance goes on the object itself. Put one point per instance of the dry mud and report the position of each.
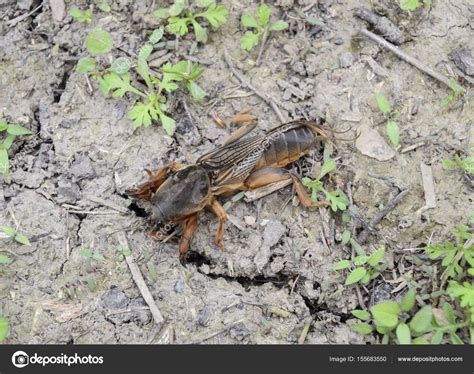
(85, 153)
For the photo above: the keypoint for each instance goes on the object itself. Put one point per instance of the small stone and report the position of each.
(239, 331)
(346, 59)
(463, 59)
(82, 168)
(67, 191)
(371, 143)
(338, 40)
(114, 299)
(204, 316)
(249, 220)
(58, 9)
(274, 230)
(179, 285)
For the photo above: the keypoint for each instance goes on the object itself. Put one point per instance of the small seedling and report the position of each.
(82, 16)
(12, 233)
(464, 293)
(393, 131)
(4, 326)
(123, 252)
(412, 5)
(181, 15)
(337, 199)
(118, 79)
(363, 268)
(5, 260)
(89, 253)
(396, 322)
(465, 164)
(260, 24)
(12, 131)
(454, 256)
(456, 93)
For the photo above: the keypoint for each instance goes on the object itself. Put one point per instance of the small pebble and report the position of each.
(346, 59)
(338, 40)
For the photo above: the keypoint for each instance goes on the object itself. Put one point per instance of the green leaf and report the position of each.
(448, 312)
(362, 328)
(144, 72)
(119, 84)
(403, 334)
(386, 314)
(337, 200)
(200, 32)
(178, 25)
(205, 3)
(408, 301)
(393, 132)
(409, 4)
(104, 7)
(376, 257)
(177, 7)
(437, 337)
(421, 321)
(82, 16)
(8, 231)
(249, 21)
(196, 91)
(249, 41)
(168, 124)
(126, 251)
(360, 260)
(22, 239)
(85, 65)
(18, 130)
(86, 252)
(142, 114)
(361, 314)
(278, 26)
(98, 257)
(145, 52)
(5, 260)
(215, 15)
(328, 166)
(161, 13)
(357, 247)
(4, 162)
(7, 143)
(263, 14)
(156, 35)
(356, 275)
(99, 42)
(383, 103)
(4, 325)
(420, 341)
(346, 236)
(455, 339)
(340, 265)
(121, 65)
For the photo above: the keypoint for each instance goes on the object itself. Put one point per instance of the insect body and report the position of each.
(178, 192)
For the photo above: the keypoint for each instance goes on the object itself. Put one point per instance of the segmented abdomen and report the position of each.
(285, 146)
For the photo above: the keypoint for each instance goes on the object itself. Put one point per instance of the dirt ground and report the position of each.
(276, 275)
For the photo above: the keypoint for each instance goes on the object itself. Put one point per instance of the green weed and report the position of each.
(181, 15)
(118, 80)
(260, 24)
(456, 93)
(363, 268)
(4, 326)
(12, 131)
(411, 5)
(393, 131)
(464, 164)
(12, 233)
(337, 199)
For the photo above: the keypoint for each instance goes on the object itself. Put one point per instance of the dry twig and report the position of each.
(140, 282)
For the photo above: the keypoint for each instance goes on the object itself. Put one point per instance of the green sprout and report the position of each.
(82, 16)
(363, 268)
(12, 233)
(337, 199)
(118, 79)
(396, 322)
(12, 131)
(393, 131)
(455, 256)
(122, 253)
(261, 24)
(456, 93)
(411, 5)
(181, 15)
(89, 253)
(465, 164)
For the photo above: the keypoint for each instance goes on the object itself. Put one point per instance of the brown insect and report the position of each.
(179, 192)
